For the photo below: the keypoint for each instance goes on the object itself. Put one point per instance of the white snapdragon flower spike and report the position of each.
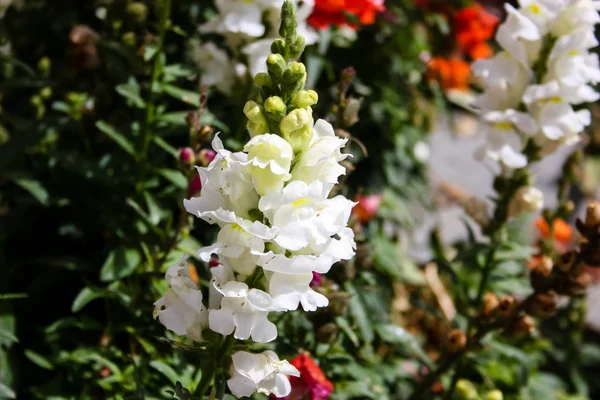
(180, 309)
(217, 68)
(226, 186)
(263, 373)
(320, 161)
(240, 17)
(519, 36)
(290, 290)
(243, 310)
(271, 158)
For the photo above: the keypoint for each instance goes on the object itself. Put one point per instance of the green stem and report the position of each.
(205, 382)
(155, 75)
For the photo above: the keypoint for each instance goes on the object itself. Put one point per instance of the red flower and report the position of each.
(312, 384)
(333, 12)
(451, 73)
(367, 207)
(473, 26)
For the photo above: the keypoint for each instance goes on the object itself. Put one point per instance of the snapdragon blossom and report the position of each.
(531, 87)
(278, 223)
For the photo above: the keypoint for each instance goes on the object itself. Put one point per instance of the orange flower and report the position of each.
(562, 232)
(333, 12)
(452, 73)
(473, 26)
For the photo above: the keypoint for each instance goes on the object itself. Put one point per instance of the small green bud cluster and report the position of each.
(284, 107)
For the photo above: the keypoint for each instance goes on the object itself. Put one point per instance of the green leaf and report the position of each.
(174, 176)
(154, 211)
(7, 335)
(150, 50)
(118, 137)
(34, 187)
(175, 71)
(131, 91)
(187, 96)
(86, 295)
(39, 360)
(6, 392)
(347, 329)
(120, 263)
(407, 342)
(359, 314)
(166, 370)
(160, 142)
(390, 260)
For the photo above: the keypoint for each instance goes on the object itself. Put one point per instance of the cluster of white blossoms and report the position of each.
(249, 27)
(544, 70)
(278, 223)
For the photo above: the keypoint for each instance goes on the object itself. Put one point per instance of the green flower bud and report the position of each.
(297, 128)
(275, 108)
(278, 47)
(138, 10)
(128, 38)
(297, 47)
(276, 66)
(35, 100)
(494, 395)
(465, 390)
(44, 66)
(257, 123)
(263, 79)
(46, 93)
(305, 98)
(294, 79)
(288, 21)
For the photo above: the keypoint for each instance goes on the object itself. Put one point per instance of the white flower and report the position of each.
(240, 17)
(320, 161)
(541, 12)
(226, 185)
(217, 69)
(243, 310)
(421, 151)
(527, 199)
(263, 373)
(574, 14)
(270, 157)
(302, 215)
(180, 309)
(257, 52)
(238, 242)
(303, 10)
(290, 290)
(519, 36)
(558, 120)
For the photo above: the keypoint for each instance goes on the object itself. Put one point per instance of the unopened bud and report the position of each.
(263, 79)
(46, 93)
(457, 341)
(44, 66)
(542, 304)
(289, 23)
(128, 38)
(350, 115)
(186, 156)
(305, 98)
(523, 326)
(347, 75)
(275, 108)
(293, 80)
(465, 390)
(276, 67)
(490, 304)
(296, 128)
(138, 10)
(566, 261)
(257, 123)
(205, 157)
(297, 47)
(507, 306)
(494, 395)
(278, 46)
(327, 333)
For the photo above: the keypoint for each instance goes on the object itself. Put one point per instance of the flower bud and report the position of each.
(305, 98)
(294, 78)
(542, 304)
(289, 23)
(507, 306)
(275, 108)
(46, 93)
(128, 38)
(347, 76)
(263, 79)
(186, 156)
(257, 123)
(205, 156)
(297, 47)
(297, 128)
(465, 390)
(350, 114)
(195, 186)
(523, 326)
(44, 66)
(138, 10)
(527, 199)
(278, 46)
(490, 304)
(494, 395)
(457, 341)
(316, 280)
(276, 67)
(327, 333)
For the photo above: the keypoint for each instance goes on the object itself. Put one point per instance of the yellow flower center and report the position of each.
(507, 126)
(534, 8)
(300, 202)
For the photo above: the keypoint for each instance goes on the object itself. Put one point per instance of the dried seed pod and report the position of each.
(566, 261)
(507, 306)
(542, 304)
(523, 326)
(327, 333)
(457, 341)
(544, 267)
(490, 304)
(576, 284)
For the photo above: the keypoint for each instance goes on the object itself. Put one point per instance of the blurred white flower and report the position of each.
(527, 199)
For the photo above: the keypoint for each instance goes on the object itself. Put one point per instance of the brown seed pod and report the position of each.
(507, 306)
(522, 326)
(566, 261)
(490, 304)
(457, 341)
(542, 304)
